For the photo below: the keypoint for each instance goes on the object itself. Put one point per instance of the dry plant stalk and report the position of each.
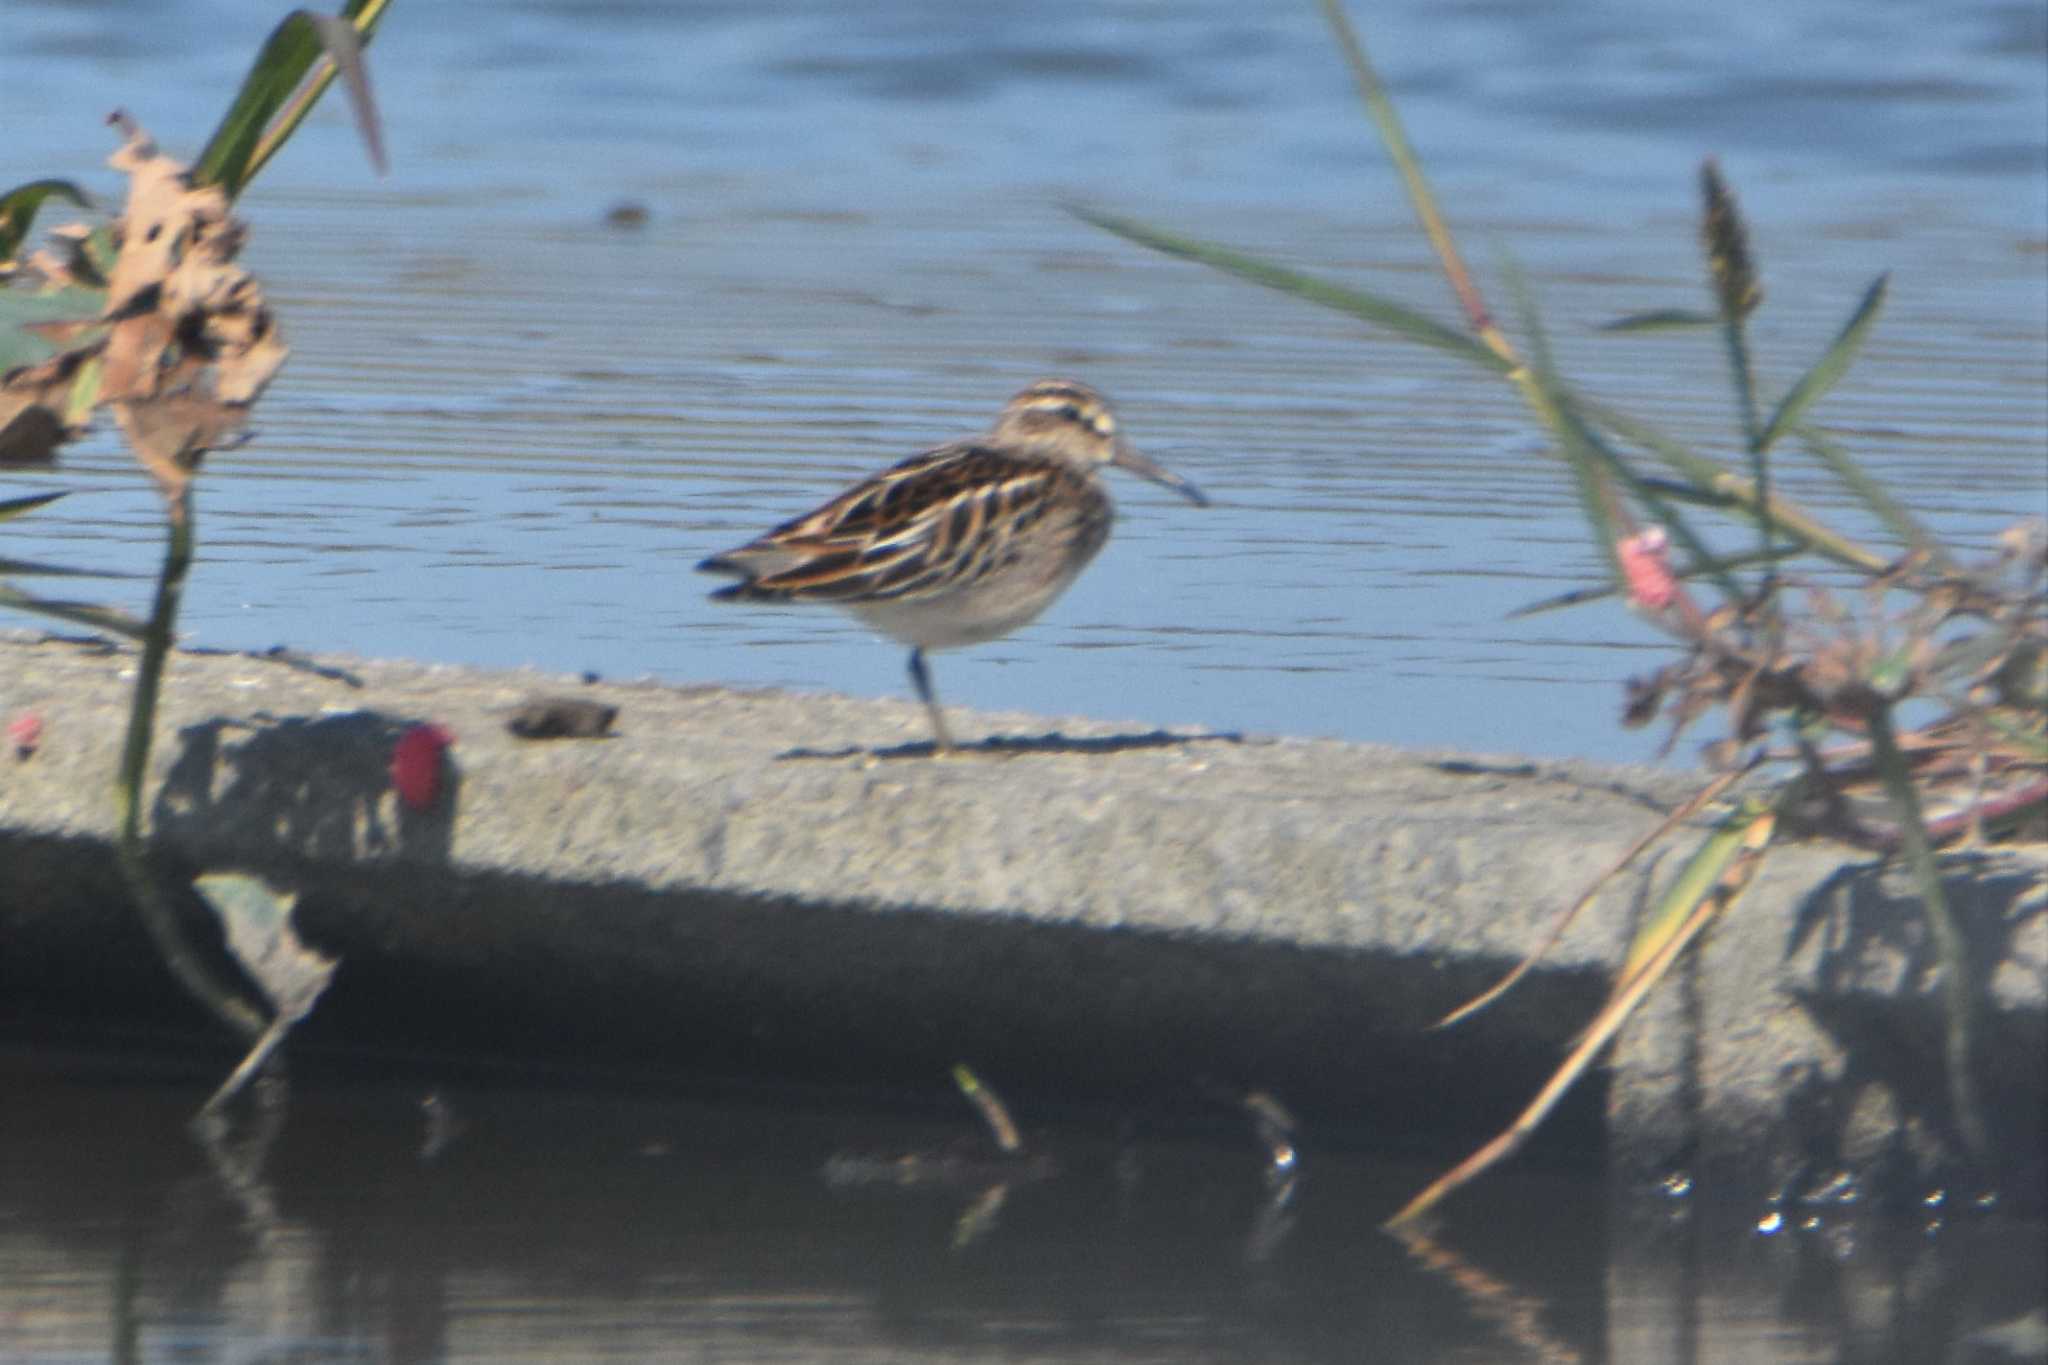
(1686, 810)
(1973, 639)
(1743, 855)
(194, 344)
(1002, 1129)
(183, 348)
(1517, 1316)
(1973, 642)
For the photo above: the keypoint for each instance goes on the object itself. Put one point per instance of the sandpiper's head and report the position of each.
(1065, 420)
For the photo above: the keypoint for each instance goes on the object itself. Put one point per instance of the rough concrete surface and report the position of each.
(764, 883)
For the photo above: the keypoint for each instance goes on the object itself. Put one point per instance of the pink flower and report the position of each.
(1651, 584)
(25, 732)
(416, 764)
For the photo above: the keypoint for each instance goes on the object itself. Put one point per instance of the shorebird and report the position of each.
(964, 543)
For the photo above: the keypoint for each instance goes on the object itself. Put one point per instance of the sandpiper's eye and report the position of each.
(1070, 412)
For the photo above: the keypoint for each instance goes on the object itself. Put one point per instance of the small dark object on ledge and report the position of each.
(626, 213)
(562, 718)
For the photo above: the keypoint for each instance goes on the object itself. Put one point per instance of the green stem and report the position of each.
(1958, 997)
(1381, 110)
(1889, 510)
(157, 915)
(1736, 339)
(1710, 478)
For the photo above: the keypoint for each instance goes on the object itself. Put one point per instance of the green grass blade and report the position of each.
(1710, 484)
(1372, 308)
(287, 56)
(110, 619)
(1704, 472)
(1652, 500)
(1716, 567)
(1902, 523)
(1596, 493)
(1596, 465)
(362, 18)
(1831, 366)
(1387, 122)
(19, 206)
(1660, 320)
(1958, 992)
(1739, 496)
(1694, 883)
(14, 507)
(282, 86)
(30, 568)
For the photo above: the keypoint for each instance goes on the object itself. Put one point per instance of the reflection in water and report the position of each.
(560, 1226)
(1519, 1316)
(276, 1287)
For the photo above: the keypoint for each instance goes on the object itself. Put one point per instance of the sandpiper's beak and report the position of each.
(1127, 457)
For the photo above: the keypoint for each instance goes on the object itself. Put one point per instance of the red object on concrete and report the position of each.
(25, 732)
(416, 764)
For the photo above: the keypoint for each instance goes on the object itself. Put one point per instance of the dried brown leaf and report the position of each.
(193, 343)
(75, 268)
(257, 923)
(35, 407)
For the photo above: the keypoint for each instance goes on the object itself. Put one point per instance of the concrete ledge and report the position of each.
(766, 883)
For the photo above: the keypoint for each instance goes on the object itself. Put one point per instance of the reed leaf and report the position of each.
(1832, 365)
(1732, 853)
(1715, 567)
(1705, 472)
(1902, 523)
(1713, 485)
(1367, 307)
(15, 507)
(1958, 994)
(86, 614)
(282, 87)
(1590, 476)
(19, 206)
(1661, 320)
(1579, 441)
(1738, 495)
(1387, 122)
(1694, 881)
(1704, 561)
(1685, 811)
(29, 568)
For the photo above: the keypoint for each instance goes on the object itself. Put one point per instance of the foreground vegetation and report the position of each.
(148, 316)
(1814, 686)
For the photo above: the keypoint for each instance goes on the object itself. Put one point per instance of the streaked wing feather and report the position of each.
(913, 529)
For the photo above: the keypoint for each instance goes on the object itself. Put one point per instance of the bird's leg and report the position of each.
(943, 742)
